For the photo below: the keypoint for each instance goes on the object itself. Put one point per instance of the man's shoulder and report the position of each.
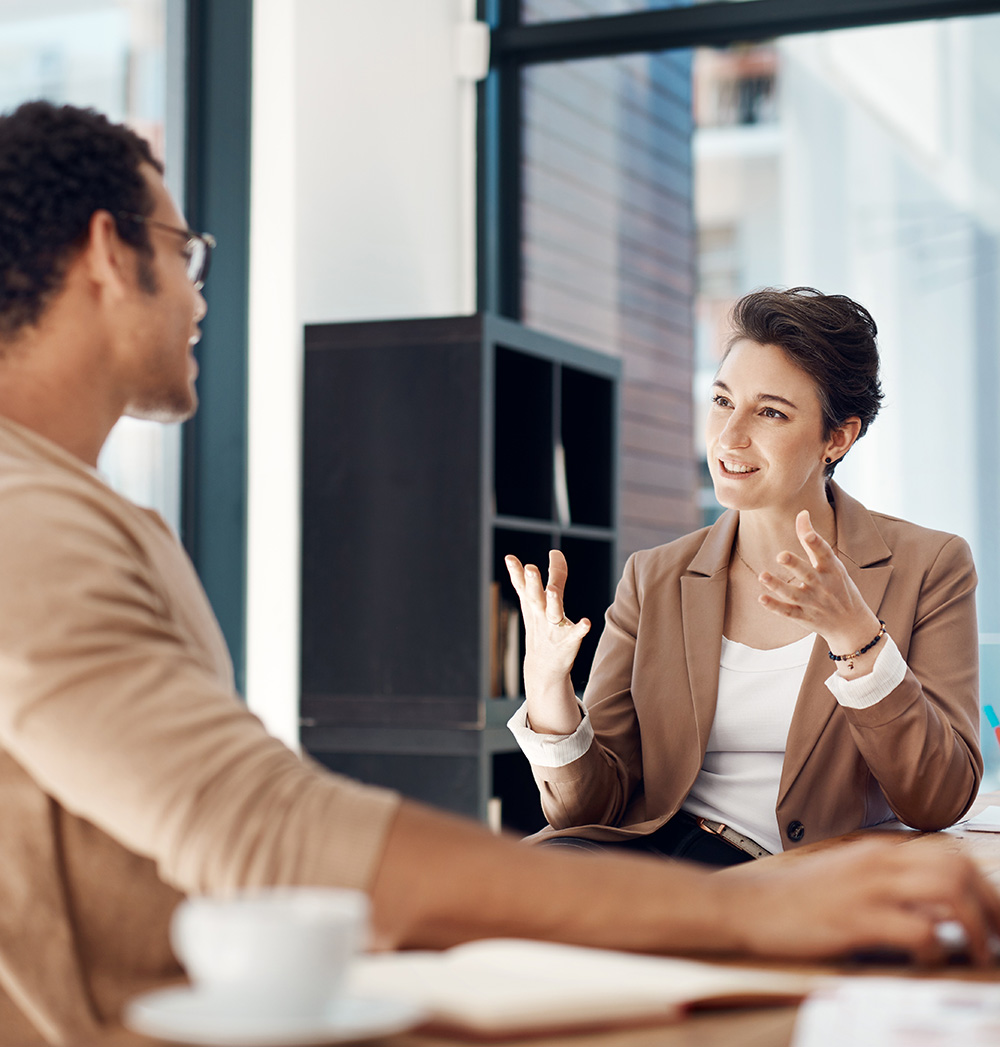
(42, 504)
(44, 484)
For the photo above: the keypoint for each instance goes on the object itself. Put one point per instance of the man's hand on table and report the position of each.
(871, 895)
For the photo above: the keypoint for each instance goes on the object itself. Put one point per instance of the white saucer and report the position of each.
(185, 1015)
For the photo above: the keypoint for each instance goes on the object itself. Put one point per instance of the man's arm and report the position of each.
(115, 716)
(442, 880)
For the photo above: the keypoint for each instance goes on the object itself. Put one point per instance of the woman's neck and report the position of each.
(763, 533)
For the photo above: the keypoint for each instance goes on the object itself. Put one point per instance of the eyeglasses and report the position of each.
(197, 247)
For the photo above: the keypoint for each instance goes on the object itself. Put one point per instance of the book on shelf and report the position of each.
(561, 486)
(496, 660)
(507, 987)
(512, 651)
(505, 646)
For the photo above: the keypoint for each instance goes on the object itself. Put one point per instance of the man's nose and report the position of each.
(200, 308)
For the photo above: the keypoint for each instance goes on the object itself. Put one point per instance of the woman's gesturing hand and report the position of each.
(551, 644)
(817, 591)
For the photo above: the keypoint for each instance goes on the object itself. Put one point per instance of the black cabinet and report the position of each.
(432, 448)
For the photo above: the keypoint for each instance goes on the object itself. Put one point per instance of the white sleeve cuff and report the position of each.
(865, 691)
(550, 750)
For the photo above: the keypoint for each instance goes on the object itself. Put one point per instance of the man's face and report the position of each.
(159, 366)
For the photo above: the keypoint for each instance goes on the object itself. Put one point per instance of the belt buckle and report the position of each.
(732, 837)
(716, 829)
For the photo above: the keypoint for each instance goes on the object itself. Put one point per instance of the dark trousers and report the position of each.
(681, 837)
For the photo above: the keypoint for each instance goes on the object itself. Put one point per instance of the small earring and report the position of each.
(829, 460)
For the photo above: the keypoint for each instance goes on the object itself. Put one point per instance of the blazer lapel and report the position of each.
(865, 555)
(703, 607)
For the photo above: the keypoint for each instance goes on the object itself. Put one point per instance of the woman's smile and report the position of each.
(737, 468)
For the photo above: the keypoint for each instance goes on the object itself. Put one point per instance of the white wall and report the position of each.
(385, 181)
(362, 207)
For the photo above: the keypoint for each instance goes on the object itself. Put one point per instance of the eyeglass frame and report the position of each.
(206, 240)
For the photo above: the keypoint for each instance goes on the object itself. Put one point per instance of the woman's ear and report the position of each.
(842, 438)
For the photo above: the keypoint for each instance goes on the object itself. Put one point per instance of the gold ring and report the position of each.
(565, 621)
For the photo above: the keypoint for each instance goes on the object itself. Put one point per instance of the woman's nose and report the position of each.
(735, 433)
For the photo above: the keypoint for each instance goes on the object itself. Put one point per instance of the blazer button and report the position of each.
(795, 831)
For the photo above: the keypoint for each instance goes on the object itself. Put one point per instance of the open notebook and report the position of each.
(505, 986)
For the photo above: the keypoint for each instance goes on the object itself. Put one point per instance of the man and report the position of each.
(130, 773)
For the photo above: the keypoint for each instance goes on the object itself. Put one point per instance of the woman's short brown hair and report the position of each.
(829, 336)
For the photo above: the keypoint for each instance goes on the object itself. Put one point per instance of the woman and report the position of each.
(800, 669)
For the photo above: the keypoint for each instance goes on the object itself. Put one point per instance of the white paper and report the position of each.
(900, 1012)
(987, 821)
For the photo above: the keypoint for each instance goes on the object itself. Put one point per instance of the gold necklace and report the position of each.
(756, 574)
(736, 546)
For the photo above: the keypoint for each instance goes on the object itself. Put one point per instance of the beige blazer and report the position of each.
(652, 692)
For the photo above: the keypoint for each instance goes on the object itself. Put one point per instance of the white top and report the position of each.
(739, 777)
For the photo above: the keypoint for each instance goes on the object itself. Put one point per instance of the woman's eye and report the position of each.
(720, 401)
(771, 412)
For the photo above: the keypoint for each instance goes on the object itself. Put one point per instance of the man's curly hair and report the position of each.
(58, 165)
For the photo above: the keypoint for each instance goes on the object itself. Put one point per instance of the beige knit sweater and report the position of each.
(130, 772)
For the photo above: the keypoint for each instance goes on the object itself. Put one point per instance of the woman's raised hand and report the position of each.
(551, 645)
(818, 591)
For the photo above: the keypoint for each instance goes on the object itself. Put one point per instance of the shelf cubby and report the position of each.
(431, 449)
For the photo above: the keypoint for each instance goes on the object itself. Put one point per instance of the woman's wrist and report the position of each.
(854, 651)
(853, 635)
(552, 707)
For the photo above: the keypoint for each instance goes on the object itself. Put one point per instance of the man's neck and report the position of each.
(53, 387)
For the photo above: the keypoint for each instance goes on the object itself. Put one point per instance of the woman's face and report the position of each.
(766, 447)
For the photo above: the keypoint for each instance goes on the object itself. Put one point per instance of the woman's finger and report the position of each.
(555, 587)
(578, 631)
(817, 548)
(793, 589)
(558, 571)
(533, 587)
(527, 582)
(554, 606)
(516, 571)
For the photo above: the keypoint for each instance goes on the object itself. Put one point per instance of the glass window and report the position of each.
(864, 162)
(533, 11)
(608, 256)
(121, 57)
(658, 188)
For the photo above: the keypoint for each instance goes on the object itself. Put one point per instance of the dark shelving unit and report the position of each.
(432, 448)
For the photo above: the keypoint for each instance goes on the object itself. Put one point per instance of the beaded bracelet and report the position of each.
(849, 658)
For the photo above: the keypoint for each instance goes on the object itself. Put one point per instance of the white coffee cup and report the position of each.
(278, 952)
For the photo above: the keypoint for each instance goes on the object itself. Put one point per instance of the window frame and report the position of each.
(514, 46)
(217, 198)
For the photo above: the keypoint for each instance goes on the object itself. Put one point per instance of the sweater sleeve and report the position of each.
(113, 704)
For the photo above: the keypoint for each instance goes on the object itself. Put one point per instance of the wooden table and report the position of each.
(751, 1027)
(763, 1026)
